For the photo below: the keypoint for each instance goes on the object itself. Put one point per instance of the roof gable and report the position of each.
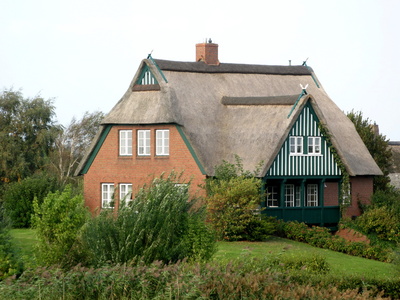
(305, 164)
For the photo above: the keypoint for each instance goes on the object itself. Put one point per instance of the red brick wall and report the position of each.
(331, 193)
(361, 191)
(109, 167)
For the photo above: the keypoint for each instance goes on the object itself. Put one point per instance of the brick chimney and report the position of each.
(207, 52)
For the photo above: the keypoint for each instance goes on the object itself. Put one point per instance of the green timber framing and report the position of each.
(295, 183)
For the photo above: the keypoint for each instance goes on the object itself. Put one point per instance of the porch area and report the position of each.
(314, 201)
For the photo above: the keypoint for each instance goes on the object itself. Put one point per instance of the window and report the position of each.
(162, 142)
(292, 195)
(296, 145)
(143, 142)
(107, 195)
(125, 142)
(314, 145)
(312, 195)
(272, 196)
(125, 192)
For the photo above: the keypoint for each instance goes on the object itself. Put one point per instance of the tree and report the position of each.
(377, 145)
(71, 144)
(27, 133)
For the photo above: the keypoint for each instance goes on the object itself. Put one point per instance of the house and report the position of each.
(394, 170)
(190, 116)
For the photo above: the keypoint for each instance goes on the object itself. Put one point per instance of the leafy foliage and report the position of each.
(322, 238)
(10, 263)
(381, 222)
(27, 132)
(58, 221)
(156, 225)
(250, 279)
(233, 204)
(377, 145)
(18, 197)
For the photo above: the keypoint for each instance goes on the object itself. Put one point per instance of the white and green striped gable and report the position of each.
(305, 152)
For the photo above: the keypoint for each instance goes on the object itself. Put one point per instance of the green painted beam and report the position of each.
(96, 149)
(192, 152)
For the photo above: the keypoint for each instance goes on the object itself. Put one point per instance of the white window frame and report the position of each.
(312, 194)
(272, 196)
(314, 145)
(296, 145)
(125, 142)
(162, 142)
(125, 192)
(143, 142)
(107, 195)
(292, 195)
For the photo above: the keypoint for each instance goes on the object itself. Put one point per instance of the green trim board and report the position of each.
(146, 77)
(288, 165)
(189, 146)
(96, 149)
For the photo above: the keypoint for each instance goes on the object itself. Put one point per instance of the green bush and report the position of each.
(18, 197)
(10, 263)
(58, 221)
(232, 205)
(199, 240)
(249, 279)
(314, 264)
(322, 238)
(380, 221)
(156, 225)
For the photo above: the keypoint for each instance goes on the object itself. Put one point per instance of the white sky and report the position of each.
(84, 53)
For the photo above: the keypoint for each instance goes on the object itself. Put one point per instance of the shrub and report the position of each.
(314, 263)
(232, 205)
(253, 279)
(380, 221)
(10, 263)
(156, 225)
(322, 238)
(58, 221)
(199, 240)
(18, 197)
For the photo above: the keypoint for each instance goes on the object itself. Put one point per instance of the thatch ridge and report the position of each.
(201, 67)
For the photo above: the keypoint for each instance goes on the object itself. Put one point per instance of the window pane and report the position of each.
(143, 142)
(125, 142)
(162, 142)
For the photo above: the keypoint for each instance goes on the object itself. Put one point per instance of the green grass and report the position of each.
(340, 264)
(24, 241)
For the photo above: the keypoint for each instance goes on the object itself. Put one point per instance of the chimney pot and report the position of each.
(207, 52)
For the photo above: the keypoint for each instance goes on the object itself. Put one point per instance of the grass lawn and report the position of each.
(340, 264)
(25, 240)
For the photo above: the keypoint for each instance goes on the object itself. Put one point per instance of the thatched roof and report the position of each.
(238, 109)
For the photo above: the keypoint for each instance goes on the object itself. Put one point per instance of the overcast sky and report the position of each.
(84, 53)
